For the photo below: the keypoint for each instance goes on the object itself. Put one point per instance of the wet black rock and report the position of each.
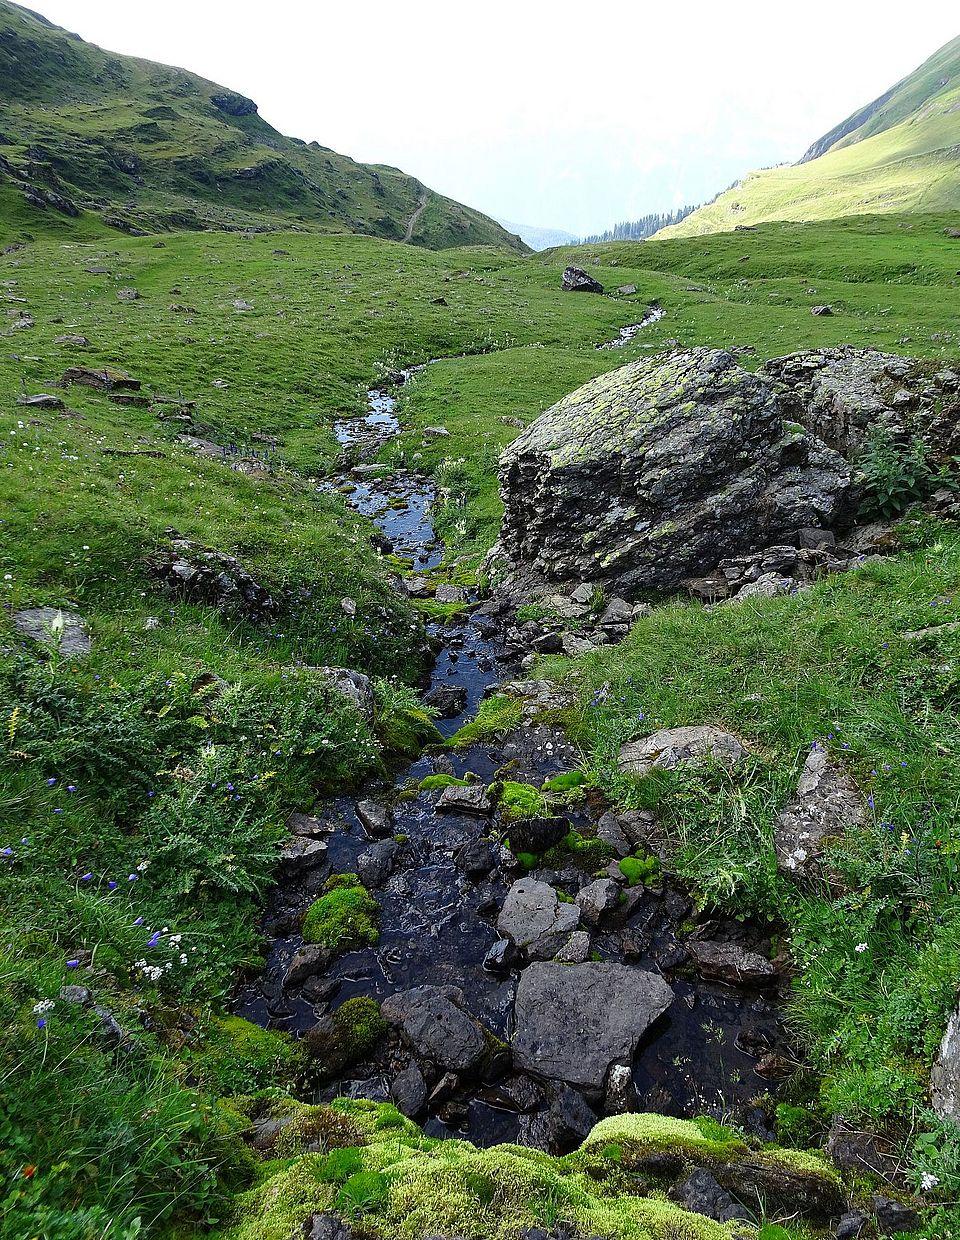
(501, 957)
(377, 820)
(893, 1216)
(310, 961)
(447, 700)
(434, 1024)
(576, 280)
(572, 1022)
(376, 864)
(537, 835)
(727, 962)
(326, 1227)
(409, 1091)
(477, 858)
(466, 799)
(852, 1225)
(701, 1194)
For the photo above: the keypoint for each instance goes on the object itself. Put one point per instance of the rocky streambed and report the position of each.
(530, 982)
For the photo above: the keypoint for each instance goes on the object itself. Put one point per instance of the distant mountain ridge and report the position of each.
(149, 147)
(538, 238)
(900, 152)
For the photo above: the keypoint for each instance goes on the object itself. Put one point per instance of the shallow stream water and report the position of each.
(437, 925)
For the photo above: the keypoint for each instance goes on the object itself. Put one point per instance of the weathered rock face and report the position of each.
(826, 803)
(234, 105)
(945, 1077)
(573, 1021)
(650, 475)
(201, 575)
(535, 919)
(576, 280)
(840, 394)
(671, 747)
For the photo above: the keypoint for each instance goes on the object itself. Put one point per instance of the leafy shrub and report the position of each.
(899, 474)
(345, 917)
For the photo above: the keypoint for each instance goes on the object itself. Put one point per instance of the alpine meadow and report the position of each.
(479, 728)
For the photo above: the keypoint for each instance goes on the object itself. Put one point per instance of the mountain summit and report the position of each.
(147, 147)
(899, 153)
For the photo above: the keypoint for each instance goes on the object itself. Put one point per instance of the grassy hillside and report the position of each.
(151, 780)
(900, 153)
(144, 146)
(891, 282)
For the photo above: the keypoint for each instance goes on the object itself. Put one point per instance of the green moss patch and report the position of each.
(345, 917)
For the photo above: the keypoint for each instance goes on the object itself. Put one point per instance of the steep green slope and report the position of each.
(900, 153)
(147, 147)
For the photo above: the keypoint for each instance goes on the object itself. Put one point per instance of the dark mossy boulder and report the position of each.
(650, 475)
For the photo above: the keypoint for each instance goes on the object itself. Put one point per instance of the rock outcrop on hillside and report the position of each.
(652, 474)
(842, 394)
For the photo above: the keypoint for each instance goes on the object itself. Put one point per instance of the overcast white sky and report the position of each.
(545, 113)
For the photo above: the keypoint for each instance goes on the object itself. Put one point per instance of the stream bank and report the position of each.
(463, 917)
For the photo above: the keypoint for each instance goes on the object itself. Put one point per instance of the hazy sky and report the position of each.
(544, 113)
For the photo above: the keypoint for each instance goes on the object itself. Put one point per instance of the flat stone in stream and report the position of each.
(726, 962)
(448, 700)
(434, 1025)
(572, 1022)
(310, 961)
(466, 799)
(376, 818)
(535, 919)
(302, 853)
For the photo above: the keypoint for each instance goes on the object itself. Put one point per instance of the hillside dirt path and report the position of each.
(412, 222)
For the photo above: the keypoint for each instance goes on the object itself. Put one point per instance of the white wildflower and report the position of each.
(860, 947)
(928, 1181)
(45, 1005)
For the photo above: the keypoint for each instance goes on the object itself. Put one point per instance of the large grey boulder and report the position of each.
(64, 631)
(841, 394)
(573, 1021)
(671, 747)
(651, 474)
(535, 920)
(434, 1025)
(945, 1077)
(827, 803)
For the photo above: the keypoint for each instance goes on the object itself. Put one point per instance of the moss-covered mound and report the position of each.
(404, 1185)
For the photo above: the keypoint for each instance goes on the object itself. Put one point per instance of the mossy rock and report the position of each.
(517, 800)
(405, 1186)
(346, 916)
(346, 1035)
(435, 782)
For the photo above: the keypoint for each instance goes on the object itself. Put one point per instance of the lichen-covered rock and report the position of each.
(535, 920)
(671, 747)
(204, 576)
(945, 1077)
(352, 685)
(233, 104)
(826, 803)
(841, 394)
(64, 631)
(573, 1021)
(649, 475)
(576, 280)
